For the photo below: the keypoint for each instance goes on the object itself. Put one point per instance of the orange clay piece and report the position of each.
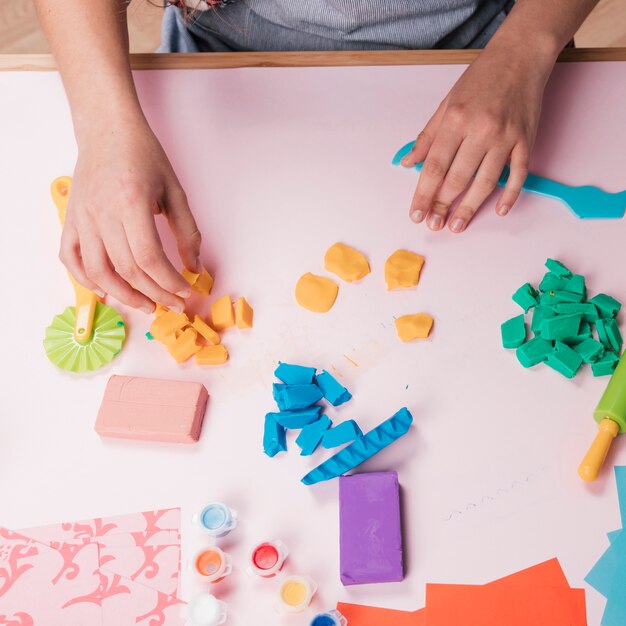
(201, 283)
(415, 326)
(185, 346)
(222, 313)
(206, 331)
(316, 293)
(212, 355)
(402, 269)
(244, 314)
(348, 263)
(167, 324)
(160, 309)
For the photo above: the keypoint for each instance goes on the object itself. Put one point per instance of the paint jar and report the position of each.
(267, 558)
(205, 610)
(332, 618)
(295, 594)
(212, 564)
(216, 519)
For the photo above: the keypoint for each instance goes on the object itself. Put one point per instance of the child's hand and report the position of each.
(489, 117)
(110, 242)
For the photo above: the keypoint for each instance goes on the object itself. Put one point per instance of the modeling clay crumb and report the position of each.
(316, 293)
(222, 313)
(416, 326)
(402, 269)
(348, 263)
(212, 336)
(212, 355)
(244, 314)
(200, 283)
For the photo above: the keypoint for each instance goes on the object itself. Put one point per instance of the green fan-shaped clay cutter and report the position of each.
(89, 335)
(585, 202)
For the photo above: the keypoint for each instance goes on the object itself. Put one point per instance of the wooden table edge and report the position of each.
(220, 60)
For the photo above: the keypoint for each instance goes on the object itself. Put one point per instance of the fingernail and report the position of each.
(99, 293)
(406, 161)
(417, 216)
(177, 308)
(457, 225)
(504, 209)
(147, 309)
(184, 293)
(199, 268)
(436, 222)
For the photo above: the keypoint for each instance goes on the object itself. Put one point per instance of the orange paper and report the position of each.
(358, 615)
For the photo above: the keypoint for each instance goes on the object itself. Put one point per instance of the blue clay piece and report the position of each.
(290, 397)
(274, 439)
(342, 433)
(294, 374)
(362, 449)
(311, 435)
(299, 418)
(332, 389)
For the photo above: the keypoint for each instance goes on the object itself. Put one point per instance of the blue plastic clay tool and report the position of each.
(586, 202)
(294, 374)
(298, 418)
(362, 449)
(290, 397)
(311, 436)
(332, 389)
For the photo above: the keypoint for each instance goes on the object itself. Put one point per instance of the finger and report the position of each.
(147, 250)
(465, 164)
(435, 168)
(425, 139)
(484, 183)
(123, 261)
(184, 227)
(98, 269)
(517, 176)
(69, 254)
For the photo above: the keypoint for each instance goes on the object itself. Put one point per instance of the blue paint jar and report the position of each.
(332, 618)
(216, 519)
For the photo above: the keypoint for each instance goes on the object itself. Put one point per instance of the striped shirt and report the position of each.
(275, 25)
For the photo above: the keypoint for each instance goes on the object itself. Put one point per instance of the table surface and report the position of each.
(278, 164)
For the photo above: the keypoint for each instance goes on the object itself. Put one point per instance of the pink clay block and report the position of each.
(152, 410)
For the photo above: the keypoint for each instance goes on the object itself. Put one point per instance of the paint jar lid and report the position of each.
(212, 564)
(216, 519)
(267, 558)
(205, 610)
(331, 618)
(295, 594)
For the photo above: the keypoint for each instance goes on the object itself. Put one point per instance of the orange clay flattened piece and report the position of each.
(316, 293)
(167, 323)
(415, 326)
(212, 355)
(201, 283)
(185, 346)
(244, 314)
(346, 262)
(206, 331)
(402, 269)
(222, 313)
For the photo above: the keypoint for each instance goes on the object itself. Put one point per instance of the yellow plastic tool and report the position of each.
(86, 300)
(611, 417)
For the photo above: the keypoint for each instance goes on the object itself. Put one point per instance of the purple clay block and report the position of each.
(370, 533)
(342, 433)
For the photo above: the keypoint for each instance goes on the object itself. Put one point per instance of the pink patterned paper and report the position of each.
(40, 586)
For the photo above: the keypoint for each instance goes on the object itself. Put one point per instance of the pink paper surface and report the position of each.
(279, 164)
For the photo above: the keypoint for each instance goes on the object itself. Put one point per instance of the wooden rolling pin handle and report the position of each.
(591, 465)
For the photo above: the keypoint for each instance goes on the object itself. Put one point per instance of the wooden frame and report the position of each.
(154, 61)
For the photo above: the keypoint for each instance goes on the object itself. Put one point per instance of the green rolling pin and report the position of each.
(611, 417)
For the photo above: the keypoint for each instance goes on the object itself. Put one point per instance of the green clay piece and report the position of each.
(576, 284)
(586, 309)
(561, 327)
(513, 332)
(556, 267)
(149, 336)
(584, 333)
(606, 365)
(606, 305)
(527, 297)
(564, 360)
(552, 282)
(534, 352)
(104, 344)
(552, 298)
(609, 334)
(590, 350)
(541, 313)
